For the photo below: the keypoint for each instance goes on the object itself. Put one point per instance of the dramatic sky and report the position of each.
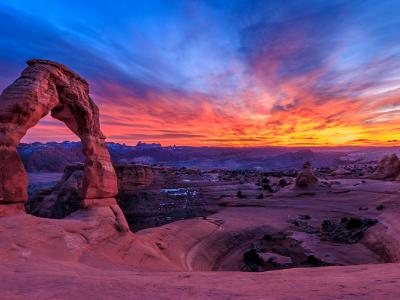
(219, 72)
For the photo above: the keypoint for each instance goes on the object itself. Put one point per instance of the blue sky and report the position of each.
(261, 72)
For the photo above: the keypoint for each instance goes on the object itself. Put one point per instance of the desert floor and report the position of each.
(85, 257)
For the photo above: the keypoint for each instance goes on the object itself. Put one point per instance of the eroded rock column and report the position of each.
(100, 180)
(13, 179)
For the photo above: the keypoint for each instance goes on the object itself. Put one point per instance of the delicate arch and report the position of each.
(44, 87)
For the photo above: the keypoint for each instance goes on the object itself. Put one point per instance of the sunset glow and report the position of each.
(252, 73)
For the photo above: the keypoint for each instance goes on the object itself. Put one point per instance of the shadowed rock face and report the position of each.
(44, 87)
(388, 168)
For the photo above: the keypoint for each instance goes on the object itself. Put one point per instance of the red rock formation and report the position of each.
(132, 177)
(388, 168)
(306, 178)
(64, 198)
(44, 87)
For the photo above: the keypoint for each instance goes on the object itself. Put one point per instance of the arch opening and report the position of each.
(47, 87)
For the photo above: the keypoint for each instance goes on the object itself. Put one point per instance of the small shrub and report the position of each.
(240, 194)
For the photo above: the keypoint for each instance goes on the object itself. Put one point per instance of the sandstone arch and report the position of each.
(44, 87)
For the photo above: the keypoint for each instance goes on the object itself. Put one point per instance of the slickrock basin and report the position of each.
(85, 256)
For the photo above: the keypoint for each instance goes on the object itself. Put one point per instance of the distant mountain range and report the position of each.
(53, 157)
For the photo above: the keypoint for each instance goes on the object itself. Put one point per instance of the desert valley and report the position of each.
(199, 150)
(156, 231)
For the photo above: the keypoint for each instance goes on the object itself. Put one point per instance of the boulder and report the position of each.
(388, 168)
(270, 257)
(306, 178)
(133, 177)
(341, 171)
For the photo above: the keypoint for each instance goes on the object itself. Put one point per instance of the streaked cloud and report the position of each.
(220, 73)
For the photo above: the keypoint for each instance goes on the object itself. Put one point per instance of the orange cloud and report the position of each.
(277, 110)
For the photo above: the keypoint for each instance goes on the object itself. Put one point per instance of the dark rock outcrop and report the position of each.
(62, 199)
